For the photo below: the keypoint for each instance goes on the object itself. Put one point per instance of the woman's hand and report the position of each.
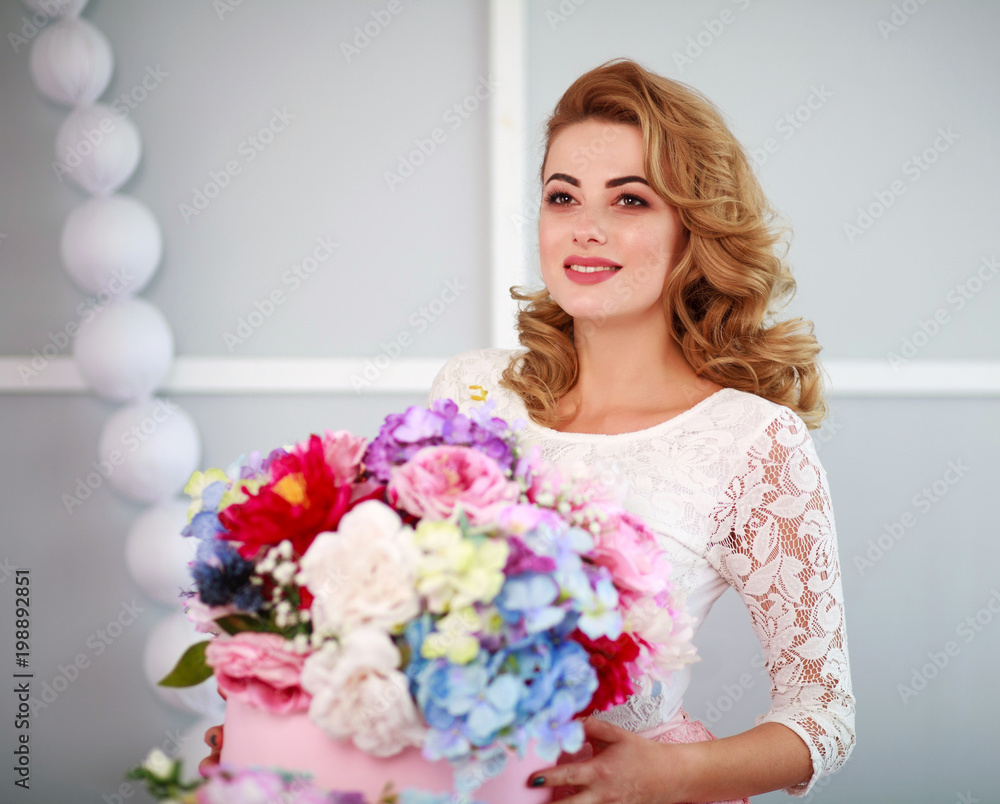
(213, 739)
(624, 769)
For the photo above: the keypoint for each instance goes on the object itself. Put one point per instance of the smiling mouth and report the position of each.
(592, 269)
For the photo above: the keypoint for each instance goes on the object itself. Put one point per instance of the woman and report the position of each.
(652, 350)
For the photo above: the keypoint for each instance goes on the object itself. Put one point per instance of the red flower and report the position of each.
(302, 500)
(611, 659)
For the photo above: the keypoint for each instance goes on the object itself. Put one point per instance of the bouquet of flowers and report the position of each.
(439, 587)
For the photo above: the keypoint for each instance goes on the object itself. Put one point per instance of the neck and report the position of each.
(630, 364)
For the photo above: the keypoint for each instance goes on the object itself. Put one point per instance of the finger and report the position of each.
(600, 731)
(572, 774)
(586, 752)
(213, 738)
(206, 765)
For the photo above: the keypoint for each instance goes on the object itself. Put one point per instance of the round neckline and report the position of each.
(655, 429)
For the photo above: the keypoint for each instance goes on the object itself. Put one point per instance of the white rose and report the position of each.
(364, 573)
(359, 694)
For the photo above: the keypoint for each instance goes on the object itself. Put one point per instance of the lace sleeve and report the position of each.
(772, 537)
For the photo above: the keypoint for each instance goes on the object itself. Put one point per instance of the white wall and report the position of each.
(324, 176)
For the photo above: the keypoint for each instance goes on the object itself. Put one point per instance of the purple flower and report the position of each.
(402, 435)
(522, 558)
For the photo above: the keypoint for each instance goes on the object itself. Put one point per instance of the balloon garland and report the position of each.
(111, 245)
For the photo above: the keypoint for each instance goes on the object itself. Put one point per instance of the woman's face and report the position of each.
(606, 241)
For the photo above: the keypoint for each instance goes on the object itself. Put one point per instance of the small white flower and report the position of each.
(266, 564)
(284, 573)
(158, 764)
(285, 549)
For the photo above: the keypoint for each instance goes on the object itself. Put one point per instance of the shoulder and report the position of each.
(759, 426)
(474, 376)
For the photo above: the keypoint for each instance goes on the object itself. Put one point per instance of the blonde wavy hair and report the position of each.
(729, 281)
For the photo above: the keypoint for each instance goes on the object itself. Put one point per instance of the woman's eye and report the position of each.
(556, 197)
(629, 200)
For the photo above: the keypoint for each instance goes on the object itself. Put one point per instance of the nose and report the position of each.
(588, 226)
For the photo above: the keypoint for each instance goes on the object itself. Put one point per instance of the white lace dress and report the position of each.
(737, 497)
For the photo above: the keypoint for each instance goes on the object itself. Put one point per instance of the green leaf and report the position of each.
(235, 623)
(190, 669)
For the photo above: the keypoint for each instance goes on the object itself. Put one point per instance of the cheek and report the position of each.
(549, 250)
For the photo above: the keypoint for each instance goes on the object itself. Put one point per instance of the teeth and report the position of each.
(591, 269)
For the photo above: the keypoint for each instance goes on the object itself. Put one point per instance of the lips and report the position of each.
(589, 270)
(584, 263)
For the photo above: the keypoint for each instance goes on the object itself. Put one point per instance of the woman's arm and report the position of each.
(774, 540)
(772, 537)
(629, 768)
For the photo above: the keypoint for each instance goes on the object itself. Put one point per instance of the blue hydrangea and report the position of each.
(529, 598)
(205, 525)
(555, 730)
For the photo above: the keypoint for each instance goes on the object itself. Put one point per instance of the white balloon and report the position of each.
(57, 8)
(153, 448)
(111, 244)
(157, 555)
(124, 352)
(71, 62)
(97, 149)
(165, 644)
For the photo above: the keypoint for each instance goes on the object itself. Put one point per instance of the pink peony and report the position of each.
(258, 669)
(629, 549)
(440, 481)
(343, 453)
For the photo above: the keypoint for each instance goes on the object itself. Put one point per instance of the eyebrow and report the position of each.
(609, 184)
